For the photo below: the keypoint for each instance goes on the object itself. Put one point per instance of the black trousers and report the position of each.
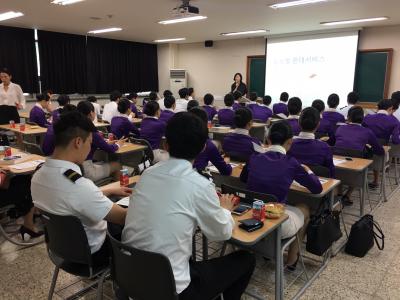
(18, 193)
(229, 275)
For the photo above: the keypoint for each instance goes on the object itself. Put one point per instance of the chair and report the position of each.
(148, 155)
(237, 157)
(320, 171)
(68, 249)
(142, 274)
(33, 148)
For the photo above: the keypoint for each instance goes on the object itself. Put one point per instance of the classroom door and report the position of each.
(256, 74)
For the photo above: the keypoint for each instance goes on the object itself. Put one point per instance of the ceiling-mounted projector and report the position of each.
(186, 9)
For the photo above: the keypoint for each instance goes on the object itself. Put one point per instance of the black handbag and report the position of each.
(362, 236)
(322, 231)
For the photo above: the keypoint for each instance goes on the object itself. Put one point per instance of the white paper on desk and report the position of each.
(213, 169)
(123, 201)
(338, 161)
(28, 165)
(320, 180)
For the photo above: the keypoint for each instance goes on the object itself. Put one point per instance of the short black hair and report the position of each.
(167, 93)
(309, 119)
(208, 99)
(228, 100)
(63, 99)
(284, 97)
(267, 100)
(183, 93)
(151, 108)
(92, 99)
(356, 114)
(123, 105)
(132, 96)
(385, 104)
(241, 77)
(294, 106)
(70, 126)
(280, 132)
(396, 95)
(352, 98)
(253, 96)
(153, 96)
(192, 103)
(190, 91)
(242, 117)
(333, 100)
(186, 135)
(201, 113)
(67, 108)
(237, 95)
(85, 107)
(115, 95)
(169, 101)
(6, 70)
(41, 97)
(319, 105)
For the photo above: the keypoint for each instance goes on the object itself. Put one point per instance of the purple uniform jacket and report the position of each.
(152, 130)
(226, 117)
(241, 145)
(333, 117)
(236, 106)
(326, 129)
(211, 153)
(134, 109)
(99, 143)
(38, 116)
(166, 115)
(260, 112)
(294, 123)
(354, 136)
(211, 112)
(121, 126)
(273, 173)
(55, 115)
(312, 153)
(48, 142)
(280, 108)
(383, 126)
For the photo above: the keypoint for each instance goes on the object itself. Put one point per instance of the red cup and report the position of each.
(7, 151)
(12, 124)
(22, 127)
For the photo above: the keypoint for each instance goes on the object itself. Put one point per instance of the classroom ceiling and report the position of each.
(139, 18)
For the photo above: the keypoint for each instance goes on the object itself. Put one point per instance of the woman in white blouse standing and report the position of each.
(10, 93)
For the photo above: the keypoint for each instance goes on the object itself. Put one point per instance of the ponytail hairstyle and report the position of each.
(243, 116)
(280, 132)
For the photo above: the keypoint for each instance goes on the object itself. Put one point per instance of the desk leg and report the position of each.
(278, 265)
(205, 247)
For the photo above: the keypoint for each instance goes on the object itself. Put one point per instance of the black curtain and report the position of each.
(17, 53)
(62, 62)
(121, 65)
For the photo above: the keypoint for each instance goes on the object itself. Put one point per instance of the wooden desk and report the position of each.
(129, 147)
(116, 184)
(36, 130)
(100, 124)
(26, 158)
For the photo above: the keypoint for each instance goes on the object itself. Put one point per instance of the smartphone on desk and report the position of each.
(250, 225)
(240, 210)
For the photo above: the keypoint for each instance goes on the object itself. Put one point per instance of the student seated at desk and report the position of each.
(152, 129)
(169, 107)
(181, 104)
(273, 173)
(352, 99)
(210, 153)
(97, 107)
(166, 93)
(37, 114)
(260, 111)
(191, 94)
(305, 148)
(62, 101)
(92, 170)
(111, 109)
(192, 103)
(132, 97)
(171, 200)
(121, 125)
(208, 106)
(240, 143)
(281, 107)
(237, 98)
(59, 188)
(325, 127)
(226, 115)
(294, 109)
(331, 114)
(355, 136)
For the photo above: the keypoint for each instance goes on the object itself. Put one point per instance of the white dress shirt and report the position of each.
(397, 114)
(12, 95)
(345, 110)
(161, 103)
(97, 108)
(53, 192)
(181, 105)
(169, 202)
(110, 111)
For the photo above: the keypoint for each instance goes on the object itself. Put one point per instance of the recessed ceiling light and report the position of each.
(333, 23)
(169, 40)
(105, 30)
(182, 19)
(10, 15)
(295, 3)
(244, 32)
(65, 2)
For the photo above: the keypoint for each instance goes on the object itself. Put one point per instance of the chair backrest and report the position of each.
(141, 274)
(348, 152)
(148, 152)
(33, 148)
(237, 157)
(8, 113)
(66, 238)
(247, 196)
(320, 171)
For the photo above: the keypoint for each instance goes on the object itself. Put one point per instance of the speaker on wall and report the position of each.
(208, 44)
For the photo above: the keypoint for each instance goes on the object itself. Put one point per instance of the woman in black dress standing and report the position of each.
(239, 85)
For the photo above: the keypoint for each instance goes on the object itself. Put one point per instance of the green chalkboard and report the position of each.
(257, 75)
(371, 74)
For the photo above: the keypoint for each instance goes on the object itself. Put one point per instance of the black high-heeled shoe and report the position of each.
(32, 234)
(292, 267)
